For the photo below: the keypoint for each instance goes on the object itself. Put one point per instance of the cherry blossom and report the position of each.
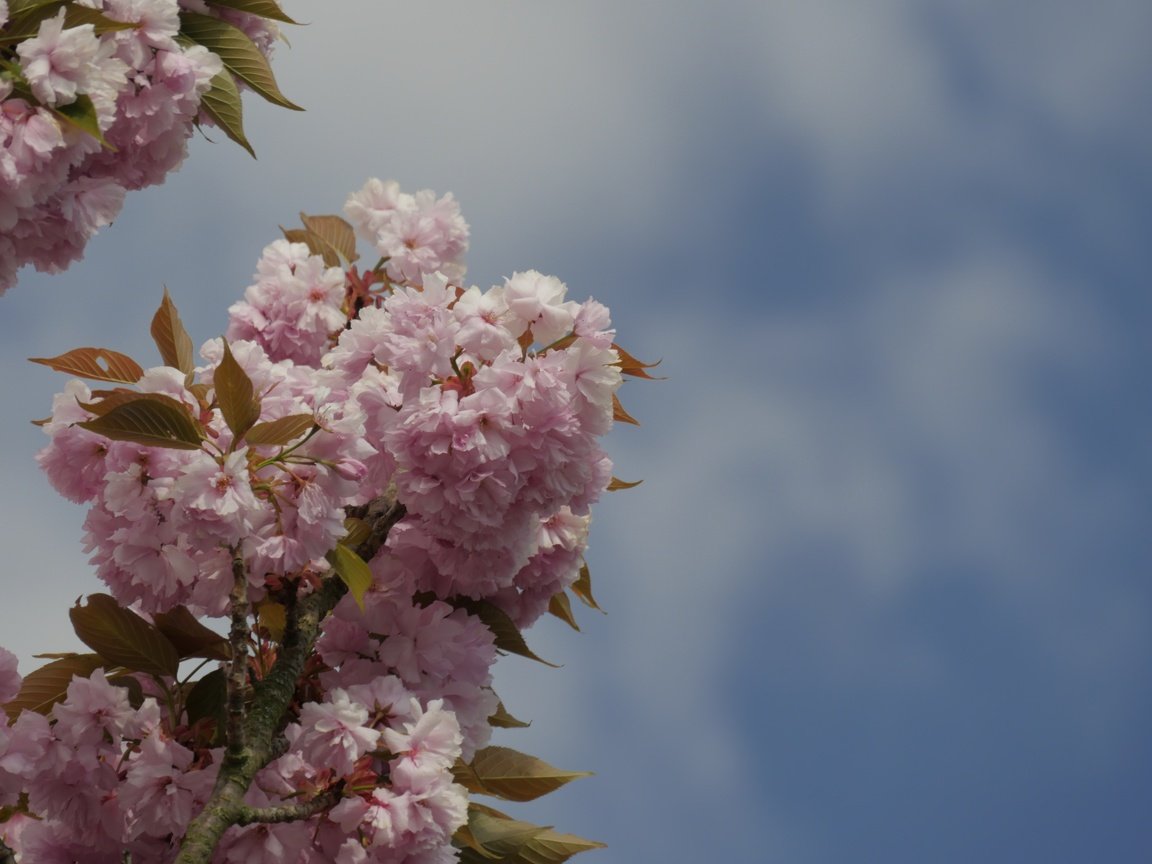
(466, 422)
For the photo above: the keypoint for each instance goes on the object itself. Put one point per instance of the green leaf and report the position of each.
(24, 17)
(101, 23)
(508, 635)
(171, 338)
(81, 113)
(263, 8)
(20, 8)
(280, 432)
(495, 835)
(560, 607)
(501, 719)
(239, 54)
(189, 637)
(235, 395)
(544, 846)
(152, 419)
(582, 588)
(550, 847)
(352, 570)
(273, 617)
(331, 238)
(99, 364)
(223, 106)
(512, 775)
(48, 685)
(123, 637)
(358, 532)
(104, 401)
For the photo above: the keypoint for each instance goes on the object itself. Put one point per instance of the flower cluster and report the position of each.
(252, 486)
(97, 100)
(104, 778)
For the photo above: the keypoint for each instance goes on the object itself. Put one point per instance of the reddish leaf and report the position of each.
(123, 637)
(280, 432)
(618, 412)
(617, 484)
(235, 395)
(48, 685)
(629, 365)
(189, 637)
(99, 364)
(335, 238)
(171, 338)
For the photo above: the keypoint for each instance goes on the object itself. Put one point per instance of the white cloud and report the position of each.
(896, 434)
(900, 428)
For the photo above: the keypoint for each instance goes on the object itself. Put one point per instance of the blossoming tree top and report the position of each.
(379, 477)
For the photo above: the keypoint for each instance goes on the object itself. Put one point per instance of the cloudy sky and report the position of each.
(884, 594)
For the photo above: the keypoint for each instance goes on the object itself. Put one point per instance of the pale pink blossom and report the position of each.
(160, 795)
(426, 749)
(487, 327)
(537, 302)
(57, 62)
(419, 234)
(92, 709)
(334, 734)
(9, 678)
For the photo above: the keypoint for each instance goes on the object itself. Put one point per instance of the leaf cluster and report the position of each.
(491, 835)
(156, 420)
(124, 644)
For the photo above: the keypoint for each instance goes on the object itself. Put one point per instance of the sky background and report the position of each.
(884, 594)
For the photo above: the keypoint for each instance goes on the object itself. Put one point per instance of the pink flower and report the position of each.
(214, 497)
(426, 749)
(487, 327)
(58, 63)
(419, 234)
(10, 679)
(537, 301)
(333, 733)
(159, 795)
(294, 305)
(93, 709)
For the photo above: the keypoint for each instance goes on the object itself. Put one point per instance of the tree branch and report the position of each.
(291, 812)
(238, 665)
(272, 696)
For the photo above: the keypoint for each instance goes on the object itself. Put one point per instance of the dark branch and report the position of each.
(272, 696)
(291, 812)
(238, 665)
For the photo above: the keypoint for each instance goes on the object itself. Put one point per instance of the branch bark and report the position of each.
(271, 698)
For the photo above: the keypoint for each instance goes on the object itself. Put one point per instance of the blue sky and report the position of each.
(884, 594)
